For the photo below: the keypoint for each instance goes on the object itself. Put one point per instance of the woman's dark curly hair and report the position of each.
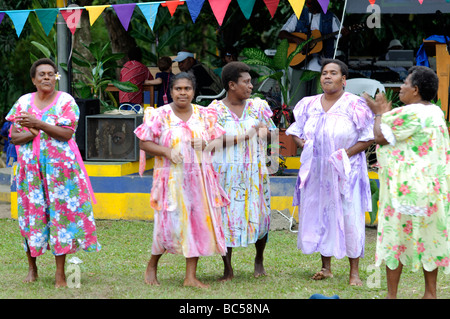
(232, 71)
(426, 81)
(41, 62)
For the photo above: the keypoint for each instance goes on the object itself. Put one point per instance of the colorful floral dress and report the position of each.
(186, 197)
(414, 174)
(243, 174)
(53, 189)
(332, 190)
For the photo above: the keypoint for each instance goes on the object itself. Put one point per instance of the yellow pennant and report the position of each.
(95, 12)
(297, 5)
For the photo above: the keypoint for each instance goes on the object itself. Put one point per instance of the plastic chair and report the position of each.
(359, 85)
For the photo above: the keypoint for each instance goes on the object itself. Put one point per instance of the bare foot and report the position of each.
(355, 280)
(31, 276)
(60, 281)
(259, 270)
(322, 274)
(194, 282)
(226, 277)
(150, 276)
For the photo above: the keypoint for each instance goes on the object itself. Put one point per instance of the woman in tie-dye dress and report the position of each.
(53, 189)
(241, 164)
(185, 194)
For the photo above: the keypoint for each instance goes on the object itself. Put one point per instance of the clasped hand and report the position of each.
(28, 120)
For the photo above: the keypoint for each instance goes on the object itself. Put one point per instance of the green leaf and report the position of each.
(257, 57)
(125, 86)
(280, 58)
(42, 48)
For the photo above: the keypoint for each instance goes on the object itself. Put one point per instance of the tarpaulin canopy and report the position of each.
(400, 6)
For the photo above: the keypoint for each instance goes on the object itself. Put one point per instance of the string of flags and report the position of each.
(72, 14)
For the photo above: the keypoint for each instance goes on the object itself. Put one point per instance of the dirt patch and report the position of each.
(5, 210)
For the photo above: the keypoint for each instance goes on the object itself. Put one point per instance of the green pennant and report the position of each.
(246, 7)
(47, 18)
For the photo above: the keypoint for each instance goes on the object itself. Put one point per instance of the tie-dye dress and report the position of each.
(53, 189)
(186, 197)
(414, 221)
(244, 175)
(332, 191)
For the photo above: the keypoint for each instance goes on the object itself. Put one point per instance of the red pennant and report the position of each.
(272, 5)
(421, 1)
(172, 6)
(72, 17)
(219, 8)
(372, 2)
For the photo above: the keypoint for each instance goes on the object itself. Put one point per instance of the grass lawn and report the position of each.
(117, 271)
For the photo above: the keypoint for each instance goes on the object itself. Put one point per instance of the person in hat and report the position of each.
(208, 83)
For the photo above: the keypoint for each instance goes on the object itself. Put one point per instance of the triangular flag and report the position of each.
(219, 8)
(172, 5)
(246, 7)
(149, 10)
(47, 18)
(124, 13)
(272, 5)
(324, 4)
(19, 18)
(194, 7)
(421, 1)
(95, 12)
(372, 2)
(297, 6)
(72, 17)
(2, 14)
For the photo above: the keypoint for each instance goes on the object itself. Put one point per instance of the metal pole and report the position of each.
(62, 47)
(340, 28)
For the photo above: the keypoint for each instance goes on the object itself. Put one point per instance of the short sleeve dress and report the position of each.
(53, 189)
(243, 174)
(332, 190)
(414, 174)
(186, 197)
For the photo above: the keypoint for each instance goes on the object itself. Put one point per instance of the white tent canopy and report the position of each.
(400, 6)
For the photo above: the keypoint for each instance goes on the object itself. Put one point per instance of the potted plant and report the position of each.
(278, 68)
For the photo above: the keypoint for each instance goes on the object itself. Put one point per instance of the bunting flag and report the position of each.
(19, 18)
(149, 10)
(72, 18)
(372, 2)
(421, 1)
(194, 7)
(272, 5)
(172, 5)
(124, 13)
(324, 4)
(297, 6)
(246, 7)
(219, 8)
(47, 17)
(2, 15)
(95, 12)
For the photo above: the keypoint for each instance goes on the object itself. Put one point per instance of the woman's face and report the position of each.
(408, 94)
(332, 79)
(243, 87)
(182, 93)
(45, 78)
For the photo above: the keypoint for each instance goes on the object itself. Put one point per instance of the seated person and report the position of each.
(163, 80)
(135, 72)
(208, 83)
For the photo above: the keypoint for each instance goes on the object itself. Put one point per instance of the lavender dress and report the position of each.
(333, 190)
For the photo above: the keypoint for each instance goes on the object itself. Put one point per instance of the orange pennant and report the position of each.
(172, 6)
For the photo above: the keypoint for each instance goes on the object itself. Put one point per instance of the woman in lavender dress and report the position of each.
(333, 191)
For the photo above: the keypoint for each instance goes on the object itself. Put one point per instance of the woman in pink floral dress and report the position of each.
(53, 189)
(414, 159)
(185, 193)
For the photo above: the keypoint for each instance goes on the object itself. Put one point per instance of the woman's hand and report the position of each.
(299, 141)
(380, 105)
(174, 156)
(29, 121)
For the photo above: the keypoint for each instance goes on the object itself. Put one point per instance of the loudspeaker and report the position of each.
(87, 107)
(112, 138)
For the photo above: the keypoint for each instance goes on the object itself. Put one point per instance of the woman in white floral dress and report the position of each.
(414, 156)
